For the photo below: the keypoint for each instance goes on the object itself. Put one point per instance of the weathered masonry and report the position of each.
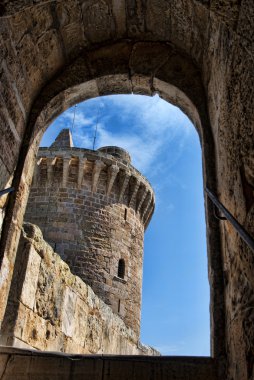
(92, 207)
(196, 54)
(51, 309)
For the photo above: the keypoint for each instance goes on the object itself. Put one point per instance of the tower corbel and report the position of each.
(124, 185)
(81, 166)
(148, 202)
(50, 168)
(66, 165)
(149, 215)
(98, 166)
(37, 167)
(142, 199)
(112, 173)
(134, 192)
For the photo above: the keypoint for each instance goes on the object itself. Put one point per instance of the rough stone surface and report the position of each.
(197, 54)
(51, 309)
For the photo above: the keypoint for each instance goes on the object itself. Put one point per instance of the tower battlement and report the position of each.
(83, 168)
(93, 208)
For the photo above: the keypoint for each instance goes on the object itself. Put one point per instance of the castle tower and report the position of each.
(93, 208)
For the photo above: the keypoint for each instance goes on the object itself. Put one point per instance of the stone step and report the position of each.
(20, 364)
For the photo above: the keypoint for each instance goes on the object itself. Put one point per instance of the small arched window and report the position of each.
(121, 268)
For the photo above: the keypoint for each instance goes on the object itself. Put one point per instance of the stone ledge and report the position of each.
(29, 364)
(119, 279)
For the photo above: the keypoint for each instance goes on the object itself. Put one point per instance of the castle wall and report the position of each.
(51, 309)
(93, 220)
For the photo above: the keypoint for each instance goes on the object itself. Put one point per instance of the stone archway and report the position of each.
(131, 69)
(214, 43)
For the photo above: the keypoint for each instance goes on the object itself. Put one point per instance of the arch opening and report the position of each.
(50, 107)
(88, 126)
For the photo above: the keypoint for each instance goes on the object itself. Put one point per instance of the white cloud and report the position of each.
(151, 125)
(153, 113)
(142, 150)
(80, 119)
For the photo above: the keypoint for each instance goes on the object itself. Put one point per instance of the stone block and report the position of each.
(34, 331)
(20, 323)
(68, 312)
(141, 84)
(119, 13)
(93, 341)
(103, 26)
(114, 84)
(159, 29)
(29, 286)
(80, 321)
(54, 338)
(72, 347)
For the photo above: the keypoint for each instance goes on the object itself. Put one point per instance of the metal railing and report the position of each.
(239, 228)
(6, 191)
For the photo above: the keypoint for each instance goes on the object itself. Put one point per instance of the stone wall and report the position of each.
(230, 83)
(197, 54)
(51, 309)
(92, 208)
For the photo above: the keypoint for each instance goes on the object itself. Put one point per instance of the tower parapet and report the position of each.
(93, 208)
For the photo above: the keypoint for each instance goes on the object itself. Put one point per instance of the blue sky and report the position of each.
(165, 147)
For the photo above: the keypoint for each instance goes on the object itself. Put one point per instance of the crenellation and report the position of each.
(97, 168)
(66, 166)
(82, 163)
(148, 215)
(76, 170)
(50, 169)
(133, 192)
(37, 172)
(141, 199)
(124, 184)
(147, 205)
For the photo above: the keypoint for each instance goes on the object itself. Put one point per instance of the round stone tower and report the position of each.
(93, 208)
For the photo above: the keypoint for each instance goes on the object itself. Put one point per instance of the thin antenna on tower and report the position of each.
(96, 127)
(73, 120)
